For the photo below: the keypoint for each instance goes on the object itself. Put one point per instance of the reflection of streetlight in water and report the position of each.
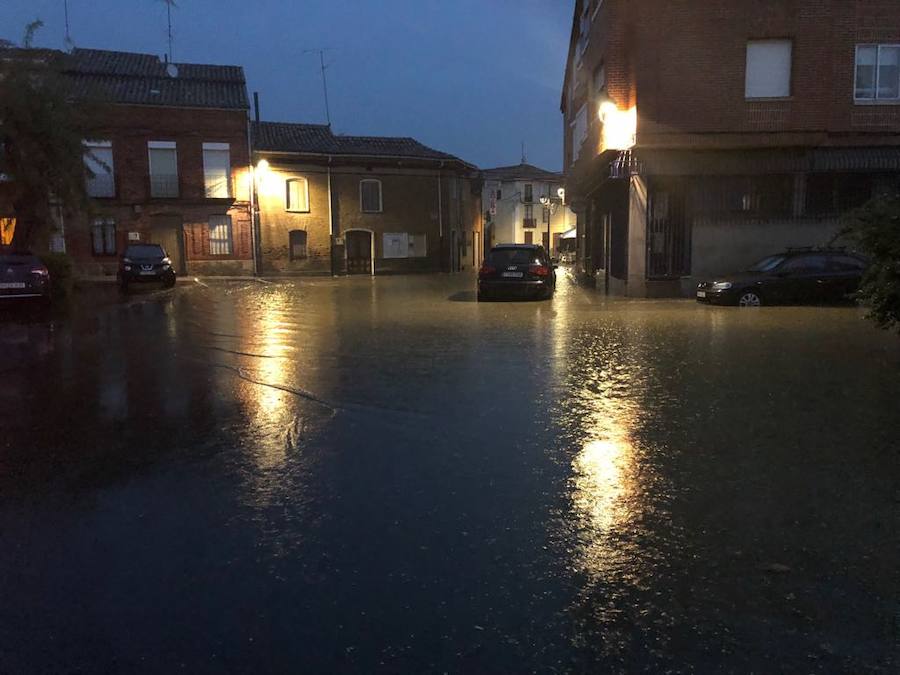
(598, 483)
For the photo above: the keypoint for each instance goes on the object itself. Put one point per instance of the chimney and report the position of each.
(256, 104)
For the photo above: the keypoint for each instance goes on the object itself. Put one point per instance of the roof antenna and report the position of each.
(321, 53)
(169, 5)
(68, 42)
(524, 157)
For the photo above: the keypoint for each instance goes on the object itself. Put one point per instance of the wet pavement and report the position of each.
(383, 475)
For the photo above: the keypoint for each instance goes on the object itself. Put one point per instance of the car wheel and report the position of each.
(749, 299)
(169, 283)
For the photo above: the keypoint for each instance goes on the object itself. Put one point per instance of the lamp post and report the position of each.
(551, 204)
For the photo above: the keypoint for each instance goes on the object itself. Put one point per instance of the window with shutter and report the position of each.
(370, 196)
(297, 195)
(220, 235)
(217, 170)
(297, 241)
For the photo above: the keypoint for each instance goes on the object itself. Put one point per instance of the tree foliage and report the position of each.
(875, 229)
(42, 129)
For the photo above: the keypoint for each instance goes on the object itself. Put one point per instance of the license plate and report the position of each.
(513, 275)
(9, 286)
(701, 294)
(146, 273)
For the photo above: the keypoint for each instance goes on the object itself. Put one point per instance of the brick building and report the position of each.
(171, 163)
(702, 135)
(331, 204)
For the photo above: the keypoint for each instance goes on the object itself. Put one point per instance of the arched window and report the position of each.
(297, 244)
(370, 196)
(296, 196)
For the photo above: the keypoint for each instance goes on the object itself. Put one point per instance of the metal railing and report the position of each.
(164, 185)
(101, 185)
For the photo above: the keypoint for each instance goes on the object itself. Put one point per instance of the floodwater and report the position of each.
(382, 475)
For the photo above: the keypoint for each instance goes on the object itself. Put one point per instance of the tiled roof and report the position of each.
(142, 79)
(522, 172)
(319, 139)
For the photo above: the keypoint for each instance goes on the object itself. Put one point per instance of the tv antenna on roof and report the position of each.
(169, 5)
(321, 53)
(68, 41)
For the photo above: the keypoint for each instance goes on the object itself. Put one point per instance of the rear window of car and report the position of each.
(514, 256)
(18, 259)
(848, 263)
(144, 251)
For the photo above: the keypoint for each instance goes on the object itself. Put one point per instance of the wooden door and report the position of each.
(359, 252)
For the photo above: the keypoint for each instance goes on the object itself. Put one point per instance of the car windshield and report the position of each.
(513, 256)
(767, 264)
(144, 251)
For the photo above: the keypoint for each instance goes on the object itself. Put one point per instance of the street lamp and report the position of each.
(550, 205)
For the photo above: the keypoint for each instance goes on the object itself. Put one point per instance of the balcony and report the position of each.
(529, 223)
(164, 186)
(102, 185)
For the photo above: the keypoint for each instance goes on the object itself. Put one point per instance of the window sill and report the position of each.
(768, 99)
(296, 210)
(375, 213)
(876, 102)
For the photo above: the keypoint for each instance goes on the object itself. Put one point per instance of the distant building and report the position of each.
(514, 212)
(171, 163)
(699, 138)
(361, 205)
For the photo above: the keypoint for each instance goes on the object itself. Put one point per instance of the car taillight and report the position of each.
(540, 270)
(486, 270)
(40, 271)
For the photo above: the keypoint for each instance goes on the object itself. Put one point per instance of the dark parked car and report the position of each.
(23, 275)
(516, 270)
(800, 276)
(144, 263)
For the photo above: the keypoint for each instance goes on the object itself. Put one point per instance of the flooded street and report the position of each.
(361, 475)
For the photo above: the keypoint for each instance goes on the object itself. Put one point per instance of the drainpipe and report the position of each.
(330, 218)
(440, 215)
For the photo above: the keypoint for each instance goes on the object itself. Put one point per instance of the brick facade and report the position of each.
(137, 213)
(714, 178)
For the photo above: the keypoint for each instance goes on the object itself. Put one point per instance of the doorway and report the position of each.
(359, 251)
(168, 232)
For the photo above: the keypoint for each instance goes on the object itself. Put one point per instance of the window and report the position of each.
(847, 263)
(529, 192)
(499, 195)
(103, 236)
(805, 264)
(404, 245)
(836, 193)
(220, 235)
(747, 196)
(370, 196)
(297, 241)
(163, 169)
(98, 158)
(877, 73)
(529, 216)
(599, 79)
(579, 132)
(217, 170)
(769, 69)
(584, 29)
(296, 196)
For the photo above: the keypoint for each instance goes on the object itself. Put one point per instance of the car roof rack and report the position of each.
(808, 249)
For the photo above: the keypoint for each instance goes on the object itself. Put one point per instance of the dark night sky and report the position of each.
(470, 77)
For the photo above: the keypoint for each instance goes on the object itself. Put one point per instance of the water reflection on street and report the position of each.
(365, 475)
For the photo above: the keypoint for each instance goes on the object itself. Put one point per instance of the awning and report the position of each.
(570, 234)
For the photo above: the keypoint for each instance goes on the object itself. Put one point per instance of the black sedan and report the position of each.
(143, 263)
(516, 270)
(23, 275)
(797, 276)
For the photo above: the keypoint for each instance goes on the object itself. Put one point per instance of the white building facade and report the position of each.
(525, 204)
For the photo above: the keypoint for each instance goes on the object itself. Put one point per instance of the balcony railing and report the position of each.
(164, 185)
(529, 223)
(101, 185)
